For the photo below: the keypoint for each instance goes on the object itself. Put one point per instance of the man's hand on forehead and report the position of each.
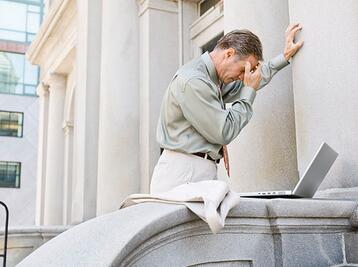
(255, 67)
(252, 76)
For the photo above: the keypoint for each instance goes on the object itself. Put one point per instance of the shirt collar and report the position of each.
(210, 67)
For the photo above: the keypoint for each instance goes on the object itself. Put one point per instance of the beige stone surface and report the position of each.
(263, 156)
(325, 82)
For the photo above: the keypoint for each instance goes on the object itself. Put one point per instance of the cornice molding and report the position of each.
(161, 5)
(67, 126)
(51, 20)
(54, 80)
(42, 89)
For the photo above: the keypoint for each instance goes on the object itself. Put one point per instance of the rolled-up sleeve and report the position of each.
(201, 106)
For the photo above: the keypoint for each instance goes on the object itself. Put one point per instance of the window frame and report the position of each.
(41, 5)
(19, 175)
(205, 28)
(22, 125)
(200, 7)
(23, 75)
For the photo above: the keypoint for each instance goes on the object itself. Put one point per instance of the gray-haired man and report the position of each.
(194, 126)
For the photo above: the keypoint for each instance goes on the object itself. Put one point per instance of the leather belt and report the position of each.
(206, 156)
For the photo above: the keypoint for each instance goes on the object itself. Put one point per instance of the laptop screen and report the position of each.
(316, 171)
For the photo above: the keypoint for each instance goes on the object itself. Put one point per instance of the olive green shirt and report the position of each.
(193, 117)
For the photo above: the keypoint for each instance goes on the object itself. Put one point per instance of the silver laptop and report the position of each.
(312, 178)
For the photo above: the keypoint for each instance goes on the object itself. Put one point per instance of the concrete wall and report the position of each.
(158, 62)
(86, 110)
(118, 91)
(118, 147)
(325, 86)
(263, 156)
(21, 201)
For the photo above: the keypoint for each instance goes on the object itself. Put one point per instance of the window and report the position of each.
(10, 174)
(11, 123)
(19, 22)
(20, 19)
(206, 5)
(17, 75)
(206, 30)
(209, 46)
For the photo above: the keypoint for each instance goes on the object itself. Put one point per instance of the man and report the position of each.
(194, 127)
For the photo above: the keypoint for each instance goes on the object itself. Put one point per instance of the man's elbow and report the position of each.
(228, 134)
(218, 138)
(227, 138)
(224, 138)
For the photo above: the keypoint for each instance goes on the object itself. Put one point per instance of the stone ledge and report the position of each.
(349, 193)
(35, 230)
(124, 236)
(354, 218)
(24, 240)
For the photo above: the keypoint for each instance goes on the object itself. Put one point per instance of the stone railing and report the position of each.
(258, 232)
(24, 240)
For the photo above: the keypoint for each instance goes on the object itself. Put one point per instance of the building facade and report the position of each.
(19, 23)
(106, 64)
(104, 67)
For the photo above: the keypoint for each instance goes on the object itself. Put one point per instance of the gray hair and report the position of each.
(243, 41)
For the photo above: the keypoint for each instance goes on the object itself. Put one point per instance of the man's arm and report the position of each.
(231, 91)
(201, 106)
(269, 69)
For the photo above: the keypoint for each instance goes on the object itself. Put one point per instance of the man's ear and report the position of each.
(230, 52)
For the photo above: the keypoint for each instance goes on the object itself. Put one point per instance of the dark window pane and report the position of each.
(10, 174)
(11, 123)
(206, 5)
(4, 115)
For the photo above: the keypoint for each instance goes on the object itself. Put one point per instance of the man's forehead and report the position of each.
(253, 61)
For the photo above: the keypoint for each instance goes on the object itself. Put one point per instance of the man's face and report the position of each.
(233, 68)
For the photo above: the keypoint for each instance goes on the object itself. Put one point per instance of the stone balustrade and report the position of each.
(258, 232)
(24, 240)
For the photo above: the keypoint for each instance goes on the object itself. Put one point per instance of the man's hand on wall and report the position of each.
(291, 48)
(252, 78)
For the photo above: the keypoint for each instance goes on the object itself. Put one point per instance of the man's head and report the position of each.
(232, 52)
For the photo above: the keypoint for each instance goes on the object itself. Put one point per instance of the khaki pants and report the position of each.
(176, 168)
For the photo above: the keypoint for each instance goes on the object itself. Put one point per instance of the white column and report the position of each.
(159, 60)
(68, 157)
(42, 92)
(86, 110)
(263, 157)
(55, 151)
(118, 159)
(325, 87)
(68, 154)
(47, 4)
(187, 14)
